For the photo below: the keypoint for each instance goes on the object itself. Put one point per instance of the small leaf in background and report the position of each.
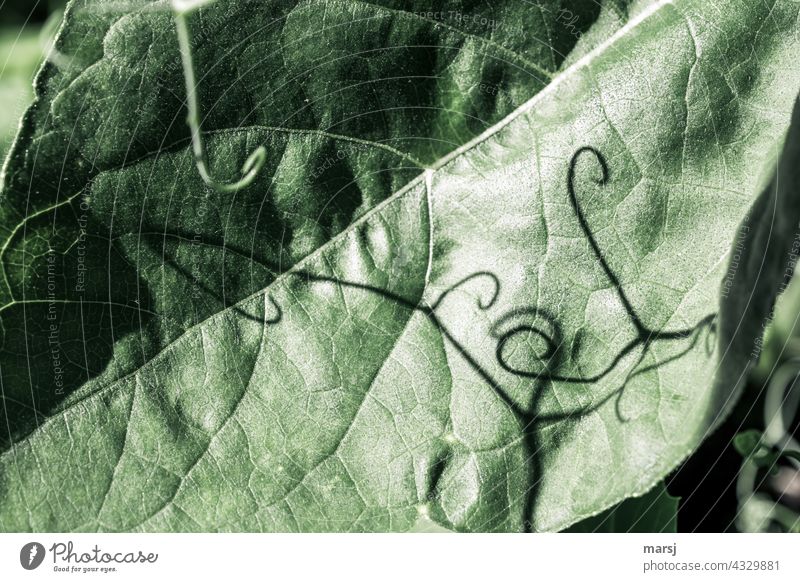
(749, 445)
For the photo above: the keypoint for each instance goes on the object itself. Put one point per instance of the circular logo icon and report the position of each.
(31, 555)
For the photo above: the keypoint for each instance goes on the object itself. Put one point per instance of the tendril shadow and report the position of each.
(538, 323)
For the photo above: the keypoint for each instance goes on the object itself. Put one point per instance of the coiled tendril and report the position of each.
(252, 166)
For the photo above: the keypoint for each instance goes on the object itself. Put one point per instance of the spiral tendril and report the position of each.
(252, 166)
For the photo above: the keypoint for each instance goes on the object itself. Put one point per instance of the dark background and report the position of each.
(32, 11)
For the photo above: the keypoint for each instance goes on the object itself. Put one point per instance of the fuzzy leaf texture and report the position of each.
(485, 277)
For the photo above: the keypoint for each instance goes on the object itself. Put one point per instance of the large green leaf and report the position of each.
(515, 336)
(351, 99)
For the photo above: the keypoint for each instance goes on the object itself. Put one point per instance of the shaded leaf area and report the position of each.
(113, 247)
(507, 343)
(654, 512)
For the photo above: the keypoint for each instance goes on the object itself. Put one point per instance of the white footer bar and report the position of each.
(371, 557)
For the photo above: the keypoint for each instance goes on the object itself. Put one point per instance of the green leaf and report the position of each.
(654, 512)
(514, 336)
(749, 444)
(344, 134)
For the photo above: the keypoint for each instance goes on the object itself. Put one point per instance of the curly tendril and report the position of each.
(252, 166)
(542, 329)
(526, 322)
(483, 305)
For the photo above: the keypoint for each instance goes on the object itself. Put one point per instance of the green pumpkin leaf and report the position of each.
(484, 277)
